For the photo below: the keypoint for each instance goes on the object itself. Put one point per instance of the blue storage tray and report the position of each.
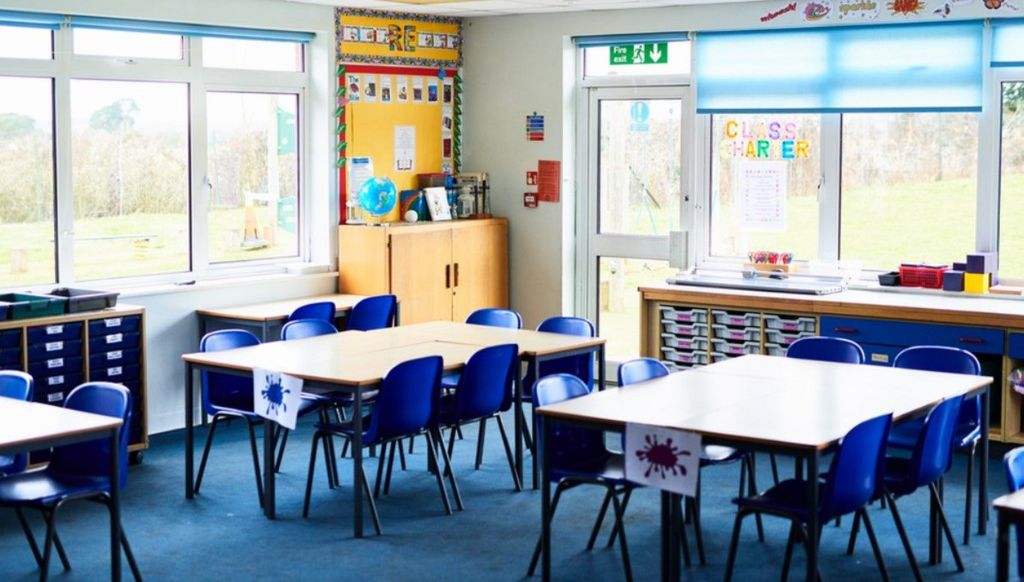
(114, 341)
(10, 338)
(119, 374)
(111, 325)
(54, 389)
(113, 358)
(56, 366)
(1016, 347)
(10, 357)
(54, 349)
(54, 332)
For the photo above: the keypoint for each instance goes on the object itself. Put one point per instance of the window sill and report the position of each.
(219, 283)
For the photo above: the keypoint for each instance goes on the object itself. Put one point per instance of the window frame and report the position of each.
(66, 65)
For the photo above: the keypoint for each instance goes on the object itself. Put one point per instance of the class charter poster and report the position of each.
(762, 196)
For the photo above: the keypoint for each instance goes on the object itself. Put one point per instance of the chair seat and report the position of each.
(343, 398)
(612, 470)
(718, 455)
(789, 497)
(904, 435)
(6, 463)
(898, 480)
(345, 429)
(225, 410)
(43, 487)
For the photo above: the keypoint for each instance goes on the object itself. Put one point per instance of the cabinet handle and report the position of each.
(971, 340)
(456, 274)
(846, 330)
(447, 276)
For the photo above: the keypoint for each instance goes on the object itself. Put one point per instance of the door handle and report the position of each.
(456, 275)
(447, 276)
(846, 330)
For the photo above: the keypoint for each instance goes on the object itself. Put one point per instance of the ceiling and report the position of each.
(500, 7)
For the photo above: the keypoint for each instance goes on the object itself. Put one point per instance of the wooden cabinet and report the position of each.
(439, 271)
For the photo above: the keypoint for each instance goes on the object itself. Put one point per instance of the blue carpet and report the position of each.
(222, 534)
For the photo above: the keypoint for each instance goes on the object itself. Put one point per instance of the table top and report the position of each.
(1011, 502)
(811, 407)
(276, 310)
(28, 425)
(531, 343)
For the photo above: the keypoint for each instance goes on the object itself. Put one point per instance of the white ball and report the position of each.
(411, 216)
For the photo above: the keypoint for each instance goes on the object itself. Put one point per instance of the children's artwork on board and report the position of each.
(447, 92)
(413, 205)
(863, 9)
(431, 90)
(351, 33)
(385, 89)
(426, 40)
(382, 35)
(905, 7)
(791, 7)
(402, 89)
(353, 87)
(370, 88)
(417, 89)
(437, 203)
(367, 34)
(999, 4)
(817, 10)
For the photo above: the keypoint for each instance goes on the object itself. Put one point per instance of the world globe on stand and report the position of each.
(378, 196)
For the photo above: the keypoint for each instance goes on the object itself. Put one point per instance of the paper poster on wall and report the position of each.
(370, 88)
(385, 89)
(402, 89)
(446, 147)
(353, 87)
(431, 90)
(350, 33)
(446, 121)
(417, 89)
(549, 180)
(360, 169)
(447, 93)
(405, 147)
(762, 196)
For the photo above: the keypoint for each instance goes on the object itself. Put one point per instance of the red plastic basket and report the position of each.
(929, 276)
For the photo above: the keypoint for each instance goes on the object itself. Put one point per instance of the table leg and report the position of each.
(115, 504)
(545, 499)
(398, 313)
(536, 373)
(357, 463)
(189, 431)
(675, 516)
(517, 383)
(602, 379)
(667, 526)
(265, 330)
(1002, 547)
(983, 473)
(269, 497)
(813, 524)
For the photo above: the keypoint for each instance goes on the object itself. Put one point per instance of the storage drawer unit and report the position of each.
(979, 340)
(54, 332)
(684, 315)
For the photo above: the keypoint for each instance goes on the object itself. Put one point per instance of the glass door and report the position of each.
(635, 196)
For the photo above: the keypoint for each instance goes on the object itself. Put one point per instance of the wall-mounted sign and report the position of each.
(763, 140)
(372, 36)
(651, 53)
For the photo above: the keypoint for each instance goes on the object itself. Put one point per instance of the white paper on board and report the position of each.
(405, 148)
(276, 396)
(663, 458)
(762, 196)
(360, 169)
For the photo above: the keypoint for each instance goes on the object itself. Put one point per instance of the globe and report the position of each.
(378, 196)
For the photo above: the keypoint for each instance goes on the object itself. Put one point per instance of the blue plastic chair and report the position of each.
(78, 471)
(968, 425)
(304, 328)
(484, 390)
(322, 310)
(577, 456)
(852, 481)
(406, 406)
(826, 349)
(16, 385)
(227, 396)
(1013, 463)
(493, 317)
(377, 312)
(641, 370)
(926, 465)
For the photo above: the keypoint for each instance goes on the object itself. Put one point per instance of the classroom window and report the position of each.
(1011, 186)
(637, 59)
(765, 171)
(27, 252)
(232, 53)
(908, 188)
(253, 175)
(127, 44)
(25, 43)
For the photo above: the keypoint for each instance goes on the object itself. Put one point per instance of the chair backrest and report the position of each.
(954, 361)
(226, 390)
(485, 385)
(375, 312)
(569, 447)
(857, 467)
(92, 458)
(581, 366)
(934, 447)
(495, 317)
(1013, 462)
(16, 385)
(408, 399)
(641, 370)
(322, 310)
(303, 328)
(826, 349)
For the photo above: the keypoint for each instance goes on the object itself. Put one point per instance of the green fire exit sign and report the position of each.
(651, 53)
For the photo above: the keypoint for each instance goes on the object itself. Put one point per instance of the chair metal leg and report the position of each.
(310, 473)
(683, 541)
(451, 439)
(536, 550)
(970, 490)
(283, 435)
(450, 472)
(381, 461)
(373, 504)
(401, 454)
(480, 443)
(432, 456)
(625, 503)
(944, 523)
(874, 544)
(853, 533)
(30, 537)
(130, 556)
(255, 460)
(903, 537)
(775, 468)
(391, 464)
(206, 452)
(508, 454)
(412, 440)
(44, 569)
(600, 519)
(748, 462)
(790, 542)
(621, 528)
(695, 507)
(731, 560)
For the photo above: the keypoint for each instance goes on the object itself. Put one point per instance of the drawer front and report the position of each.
(1016, 347)
(10, 338)
(56, 366)
(54, 389)
(55, 332)
(115, 341)
(897, 333)
(10, 357)
(54, 349)
(120, 374)
(113, 358)
(113, 325)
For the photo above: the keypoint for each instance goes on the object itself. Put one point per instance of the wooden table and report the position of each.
(266, 315)
(357, 362)
(26, 426)
(795, 407)
(1009, 511)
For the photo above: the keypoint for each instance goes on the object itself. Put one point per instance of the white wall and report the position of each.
(515, 65)
(171, 325)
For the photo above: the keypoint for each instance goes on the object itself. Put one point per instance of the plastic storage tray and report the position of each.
(684, 315)
(684, 357)
(774, 350)
(735, 349)
(736, 319)
(749, 334)
(691, 329)
(79, 300)
(26, 305)
(684, 343)
(781, 338)
(789, 323)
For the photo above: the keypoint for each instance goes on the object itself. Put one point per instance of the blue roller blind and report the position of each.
(922, 67)
(30, 19)
(620, 39)
(188, 29)
(1008, 43)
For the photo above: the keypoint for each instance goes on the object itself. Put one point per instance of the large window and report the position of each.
(1011, 198)
(131, 193)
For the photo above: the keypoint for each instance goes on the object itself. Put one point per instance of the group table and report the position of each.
(28, 426)
(799, 408)
(357, 362)
(264, 316)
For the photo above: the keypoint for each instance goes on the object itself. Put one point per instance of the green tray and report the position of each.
(27, 305)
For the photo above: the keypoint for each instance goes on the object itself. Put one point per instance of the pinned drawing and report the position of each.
(817, 10)
(864, 9)
(905, 7)
(663, 458)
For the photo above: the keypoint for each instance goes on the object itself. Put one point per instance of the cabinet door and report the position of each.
(421, 274)
(480, 264)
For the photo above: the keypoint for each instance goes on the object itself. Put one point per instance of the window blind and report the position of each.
(30, 19)
(1008, 43)
(622, 39)
(189, 29)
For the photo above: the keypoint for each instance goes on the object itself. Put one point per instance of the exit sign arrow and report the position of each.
(651, 53)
